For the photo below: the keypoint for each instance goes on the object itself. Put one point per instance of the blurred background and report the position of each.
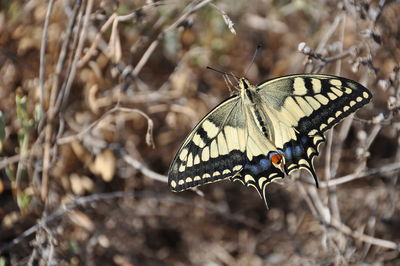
(97, 96)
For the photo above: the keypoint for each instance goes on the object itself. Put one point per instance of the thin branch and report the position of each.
(347, 178)
(317, 207)
(143, 169)
(9, 160)
(149, 134)
(48, 131)
(362, 237)
(78, 52)
(154, 44)
(43, 46)
(90, 52)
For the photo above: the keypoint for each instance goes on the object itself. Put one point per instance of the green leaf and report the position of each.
(21, 108)
(10, 174)
(38, 114)
(3, 261)
(24, 200)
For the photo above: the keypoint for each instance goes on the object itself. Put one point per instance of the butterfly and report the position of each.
(266, 131)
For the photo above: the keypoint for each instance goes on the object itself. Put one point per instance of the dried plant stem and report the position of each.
(362, 237)
(91, 51)
(323, 215)
(9, 160)
(332, 192)
(55, 107)
(92, 48)
(43, 46)
(143, 169)
(146, 55)
(347, 178)
(149, 135)
(74, 65)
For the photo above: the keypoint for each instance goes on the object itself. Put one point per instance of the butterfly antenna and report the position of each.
(236, 78)
(259, 47)
(222, 72)
(228, 83)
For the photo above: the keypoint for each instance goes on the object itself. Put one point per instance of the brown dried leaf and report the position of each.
(81, 219)
(104, 165)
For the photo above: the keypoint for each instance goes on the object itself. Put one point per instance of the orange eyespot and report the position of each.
(276, 158)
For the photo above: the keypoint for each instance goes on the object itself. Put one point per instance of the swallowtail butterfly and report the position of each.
(265, 131)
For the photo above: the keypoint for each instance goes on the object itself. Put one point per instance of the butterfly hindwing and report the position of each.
(258, 170)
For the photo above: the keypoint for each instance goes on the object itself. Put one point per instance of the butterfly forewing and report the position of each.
(213, 150)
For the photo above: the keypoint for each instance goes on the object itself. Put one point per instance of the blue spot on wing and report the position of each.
(258, 166)
(265, 164)
(288, 153)
(298, 150)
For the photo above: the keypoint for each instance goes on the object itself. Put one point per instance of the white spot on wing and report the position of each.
(196, 159)
(322, 99)
(205, 154)
(183, 154)
(226, 172)
(232, 138)
(248, 178)
(222, 146)
(237, 168)
(261, 181)
(317, 138)
(336, 91)
(335, 82)
(205, 176)
(198, 141)
(332, 96)
(210, 128)
(303, 161)
(214, 149)
(299, 86)
(307, 109)
(189, 162)
(316, 83)
(314, 103)
(216, 173)
(310, 151)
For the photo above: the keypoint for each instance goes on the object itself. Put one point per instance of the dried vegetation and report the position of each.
(96, 96)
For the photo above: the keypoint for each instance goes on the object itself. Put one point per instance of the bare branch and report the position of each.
(394, 167)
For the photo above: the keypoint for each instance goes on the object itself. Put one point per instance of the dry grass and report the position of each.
(97, 96)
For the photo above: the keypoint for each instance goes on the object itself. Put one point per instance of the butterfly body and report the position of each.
(266, 131)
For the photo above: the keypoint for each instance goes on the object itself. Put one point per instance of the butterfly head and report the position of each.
(244, 84)
(247, 90)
